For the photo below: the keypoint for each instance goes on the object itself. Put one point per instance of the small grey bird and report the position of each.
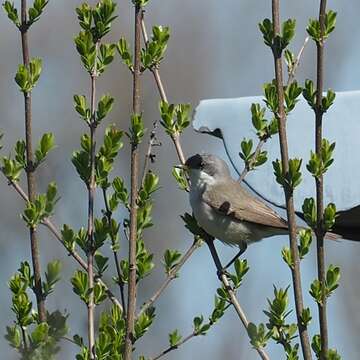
(224, 209)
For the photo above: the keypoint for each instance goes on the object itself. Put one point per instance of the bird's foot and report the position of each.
(222, 272)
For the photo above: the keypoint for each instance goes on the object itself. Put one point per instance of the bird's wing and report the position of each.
(232, 200)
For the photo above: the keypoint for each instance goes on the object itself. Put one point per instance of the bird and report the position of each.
(224, 209)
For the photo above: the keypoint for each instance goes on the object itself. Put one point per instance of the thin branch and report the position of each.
(320, 184)
(181, 156)
(131, 305)
(155, 71)
(295, 270)
(54, 230)
(171, 348)
(23, 334)
(108, 214)
(252, 160)
(149, 156)
(30, 168)
(91, 199)
(292, 72)
(225, 281)
(261, 142)
(171, 276)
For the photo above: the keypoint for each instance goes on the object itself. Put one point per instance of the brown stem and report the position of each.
(116, 259)
(171, 276)
(131, 305)
(225, 281)
(320, 184)
(171, 348)
(181, 156)
(295, 270)
(35, 252)
(90, 231)
(262, 141)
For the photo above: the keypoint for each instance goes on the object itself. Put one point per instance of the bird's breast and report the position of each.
(222, 227)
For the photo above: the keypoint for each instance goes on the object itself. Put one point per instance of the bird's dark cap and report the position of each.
(194, 162)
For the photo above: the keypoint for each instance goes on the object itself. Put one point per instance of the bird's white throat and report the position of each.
(200, 179)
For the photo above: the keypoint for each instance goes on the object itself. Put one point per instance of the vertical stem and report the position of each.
(320, 184)
(35, 254)
(91, 199)
(116, 258)
(131, 305)
(295, 271)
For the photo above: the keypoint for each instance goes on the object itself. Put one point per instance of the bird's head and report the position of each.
(205, 169)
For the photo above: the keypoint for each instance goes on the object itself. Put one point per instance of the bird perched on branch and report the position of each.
(225, 210)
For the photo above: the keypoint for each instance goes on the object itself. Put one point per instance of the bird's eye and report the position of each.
(202, 164)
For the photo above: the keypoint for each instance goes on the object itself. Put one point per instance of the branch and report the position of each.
(35, 252)
(171, 276)
(155, 71)
(295, 270)
(54, 230)
(91, 199)
(225, 281)
(108, 214)
(181, 156)
(149, 156)
(261, 142)
(320, 184)
(170, 348)
(297, 62)
(131, 309)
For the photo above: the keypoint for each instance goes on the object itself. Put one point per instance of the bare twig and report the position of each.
(297, 62)
(30, 168)
(170, 348)
(252, 160)
(149, 156)
(108, 214)
(171, 276)
(230, 291)
(295, 270)
(54, 230)
(320, 184)
(131, 305)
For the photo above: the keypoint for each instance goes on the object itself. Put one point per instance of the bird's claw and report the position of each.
(222, 272)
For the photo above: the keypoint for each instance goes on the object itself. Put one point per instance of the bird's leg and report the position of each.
(220, 270)
(243, 247)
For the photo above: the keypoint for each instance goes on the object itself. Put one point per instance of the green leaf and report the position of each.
(52, 276)
(11, 12)
(79, 282)
(266, 28)
(27, 77)
(171, 258)
(180, 177)
(305, 236)
(40, 334)
(124, 50)
(288, 32)
(137, 130)
(13, 336)
(174, 338)
(47, 143)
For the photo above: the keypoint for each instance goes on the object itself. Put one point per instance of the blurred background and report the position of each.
(215, 51)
